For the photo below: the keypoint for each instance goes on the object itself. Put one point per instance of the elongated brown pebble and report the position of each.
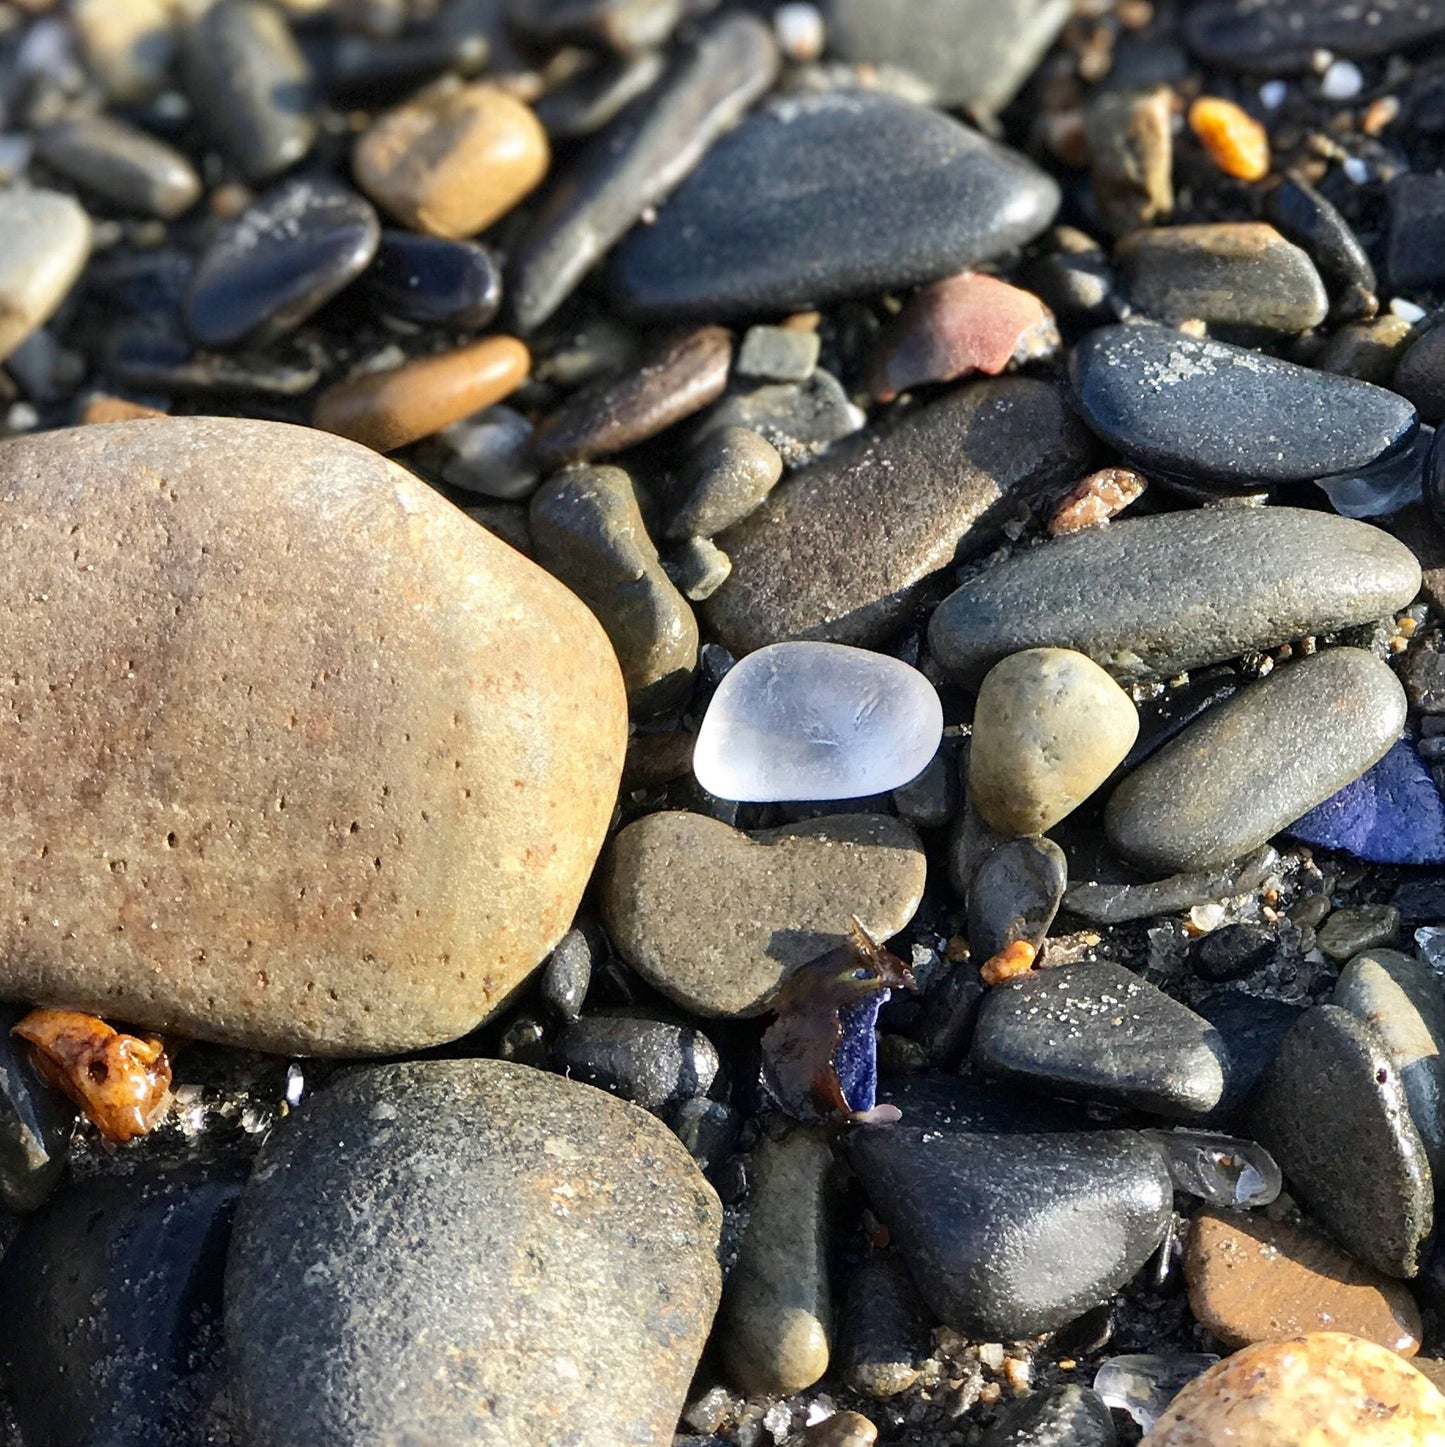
(386, 410)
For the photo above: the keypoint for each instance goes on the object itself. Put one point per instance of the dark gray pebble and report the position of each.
(726, 476)
(884, 1329)
(1310, 221)
(1069, 1416)
(1420, 375)
(1282, 35)
(587, 101)
(121, 165)
(652, 1063)
(1106, 903)
(1015, 895)
(799, 419)
(1234, 951)
(1415, 249)
(435, 282)
(567, 974)
(1251, 1029)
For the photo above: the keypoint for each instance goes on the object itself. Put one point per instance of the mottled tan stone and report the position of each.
(297, 756)
(1325, 1389)
(44, 245)
(451, 163)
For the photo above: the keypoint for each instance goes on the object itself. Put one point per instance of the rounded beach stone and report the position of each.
(552, 1259)
(386, 410)
(1252, 1279)
(303, 759)
(451, 163)
(716, 918)
(121, 164)
(1324, 1389)
(1050, 727)
(44, 246)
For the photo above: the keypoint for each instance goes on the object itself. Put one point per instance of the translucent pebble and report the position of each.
(1272, 94)
(1218, 1168)
(1385, 486)
(1342, 81)
(1406, 310)
(1430, 941)
(1144, 1385)
(814, 721)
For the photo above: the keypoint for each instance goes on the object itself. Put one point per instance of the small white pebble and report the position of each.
(1342, 81)
(1206, 917)
(800, 31)
(1357, 170)
(990, 1353)
(22, 417)
(295, 1084)
(1407, 311)
(1272, 94)
(1320, 61)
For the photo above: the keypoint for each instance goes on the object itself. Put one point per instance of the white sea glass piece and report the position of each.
(1143, 1385)
(1218, 1168)
(812, 721)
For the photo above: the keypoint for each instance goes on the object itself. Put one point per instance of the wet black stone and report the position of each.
(120, 164)
(1420, 377)
(110, 1335)
(35, 1124)
(903, 193)
(1070, 1416)
(1281, 35)
(285, 256)
(1015, 895)
(435, 282)
(1251, 1029)
(1234, 951)
(1009, 1235)
(250, 85)
(567, 974)
(1098, 1032)
(586, 102)
(1331, 1109)
(1311, 222)
(1222, 414)
(1420, 899)
(1415, 249)
(652, 1063)
(156, 360)
(357, 70)
(708, 1128)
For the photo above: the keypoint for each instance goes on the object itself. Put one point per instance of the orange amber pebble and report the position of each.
(1236, 142)
(119, 1081)
(1015, 959)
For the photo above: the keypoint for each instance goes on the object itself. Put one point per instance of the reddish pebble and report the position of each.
(964, 324)
(1096, 499)
(119, 1081)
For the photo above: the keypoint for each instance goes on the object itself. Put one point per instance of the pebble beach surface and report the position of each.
(723, 723)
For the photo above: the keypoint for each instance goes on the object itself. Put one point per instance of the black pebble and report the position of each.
(435, 282)
(1234, 951)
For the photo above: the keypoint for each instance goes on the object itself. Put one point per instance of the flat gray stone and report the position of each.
(1015, 895)
(1151, 597)
(468, 1251)
(842, 550)
(1253, 764)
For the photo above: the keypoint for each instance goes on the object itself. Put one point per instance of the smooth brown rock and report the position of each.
(1131, 151)
(1252, 1279)
(963, 324)
(679, 378)
(1325, 1389)
(298, 757)
(451, 163)
(716, 918)
(1097, 499)
(386, 410)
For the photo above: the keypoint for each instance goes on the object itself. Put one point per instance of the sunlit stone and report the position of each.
(1144, 1384)
(812, 721)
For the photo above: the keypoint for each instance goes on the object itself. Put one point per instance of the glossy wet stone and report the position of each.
(1011, 1234)
(1392, 814)
(1254, 763)
(1311, 222)
(972, 54)
(121, 165)
(1332, 1110)
(112, 1334)
(250, 86)
(1068, 1416)
(43, 249)
(678, 377)
(1252, 1279)
(1401, 1000)
(726, 476)
(1415, 252)
(36, 1122)
(816, 721)
(775, 1327)
(738, 236)
(434, 282)
(387, 409)
(940, 484)
(1240, 274)
(652, 1063)
(1100, 1032)
(1015, 895)
(128, 45)
(1049, 728)
(279, 261)
(638, 161)
(587, 530)
(272, 743)
(449, 163)
(1224, 415)
(624, 25)
(543, 1222)
(1154, 596)
(716, 918)
(1234, 951)
(1283, 34)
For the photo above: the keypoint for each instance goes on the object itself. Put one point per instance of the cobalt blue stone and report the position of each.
(435, 282)
(1393, 814)
(856, 1058)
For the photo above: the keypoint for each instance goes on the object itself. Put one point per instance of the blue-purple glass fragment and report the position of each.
(856, 1058)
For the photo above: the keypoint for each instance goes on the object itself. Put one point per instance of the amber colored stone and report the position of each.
(451, 163)
(1015, 958)
(1252, 1279)
(1235, 141)
(386, 410)
(102, 407)
(1096, 499)
(1326, 1389)
(119, 1081)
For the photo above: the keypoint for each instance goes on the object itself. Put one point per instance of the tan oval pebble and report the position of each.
(1049, 729)
(297, 756)
(387, 410)
(1325, 1389)
(44, 245)
(451, 163)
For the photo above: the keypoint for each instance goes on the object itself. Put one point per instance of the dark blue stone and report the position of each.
(434, 282)
(1391, 815)
(856, 1058)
